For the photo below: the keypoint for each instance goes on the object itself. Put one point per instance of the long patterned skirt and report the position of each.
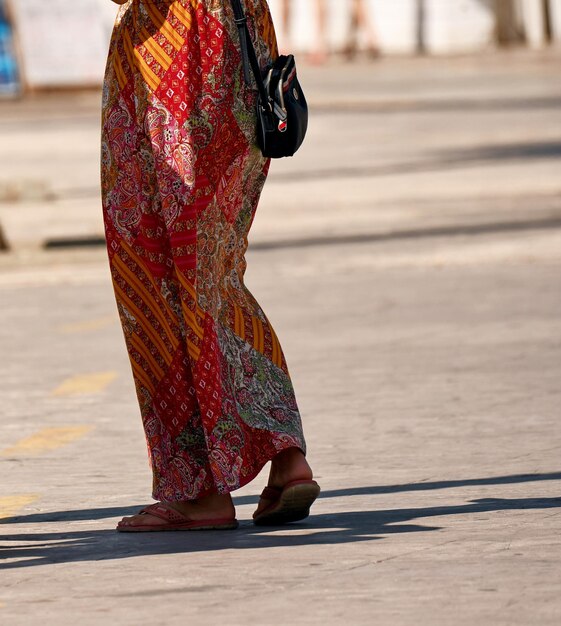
(181, 179)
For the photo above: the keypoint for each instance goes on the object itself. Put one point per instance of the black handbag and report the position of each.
(282, 110)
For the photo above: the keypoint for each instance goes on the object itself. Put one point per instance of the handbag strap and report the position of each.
(249, 56)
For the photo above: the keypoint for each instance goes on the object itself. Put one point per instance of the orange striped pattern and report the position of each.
(146, 270)
(158, 308)
(258, 335)
(153, 47)
(151, 59)
(135, 58)
(193, 318)
(141, 376)
(277, 351)
(165, 28)
(182, 14)
(128, 48)
(119, 71)
(239, 322)
(144, 323)
(142, 349)
(157, 340)
(262, 334)
(148, 74)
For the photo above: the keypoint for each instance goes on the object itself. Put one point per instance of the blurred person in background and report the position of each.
(361, 26)
(181, 180)
(319, 52)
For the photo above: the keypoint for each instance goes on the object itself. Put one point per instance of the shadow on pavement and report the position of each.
(442, 160)
(324, 529)
(491, 228)
(434, 105)
(486, 228)
(79, 515)
(443, 484)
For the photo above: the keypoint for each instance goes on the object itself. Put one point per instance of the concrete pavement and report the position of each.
(414, 282)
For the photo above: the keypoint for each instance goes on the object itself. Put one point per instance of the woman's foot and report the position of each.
(288, 467)
(213, 507)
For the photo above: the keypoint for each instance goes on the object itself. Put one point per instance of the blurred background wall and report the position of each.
(61, 43)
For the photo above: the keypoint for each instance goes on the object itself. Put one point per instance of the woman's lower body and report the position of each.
(181, 179)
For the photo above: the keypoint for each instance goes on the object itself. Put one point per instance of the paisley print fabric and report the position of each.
(181, 180)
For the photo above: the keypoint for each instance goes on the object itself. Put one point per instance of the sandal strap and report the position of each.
(165, 512)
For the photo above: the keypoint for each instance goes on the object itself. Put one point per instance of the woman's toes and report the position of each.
(128, 521)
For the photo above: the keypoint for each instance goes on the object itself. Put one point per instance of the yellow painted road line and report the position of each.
(46, 440)
(84, 383)
(10, 505)
(89, 325)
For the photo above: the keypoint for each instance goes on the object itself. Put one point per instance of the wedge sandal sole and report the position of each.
(293, 504)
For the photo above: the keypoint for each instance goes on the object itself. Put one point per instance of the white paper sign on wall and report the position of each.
(63, 43)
